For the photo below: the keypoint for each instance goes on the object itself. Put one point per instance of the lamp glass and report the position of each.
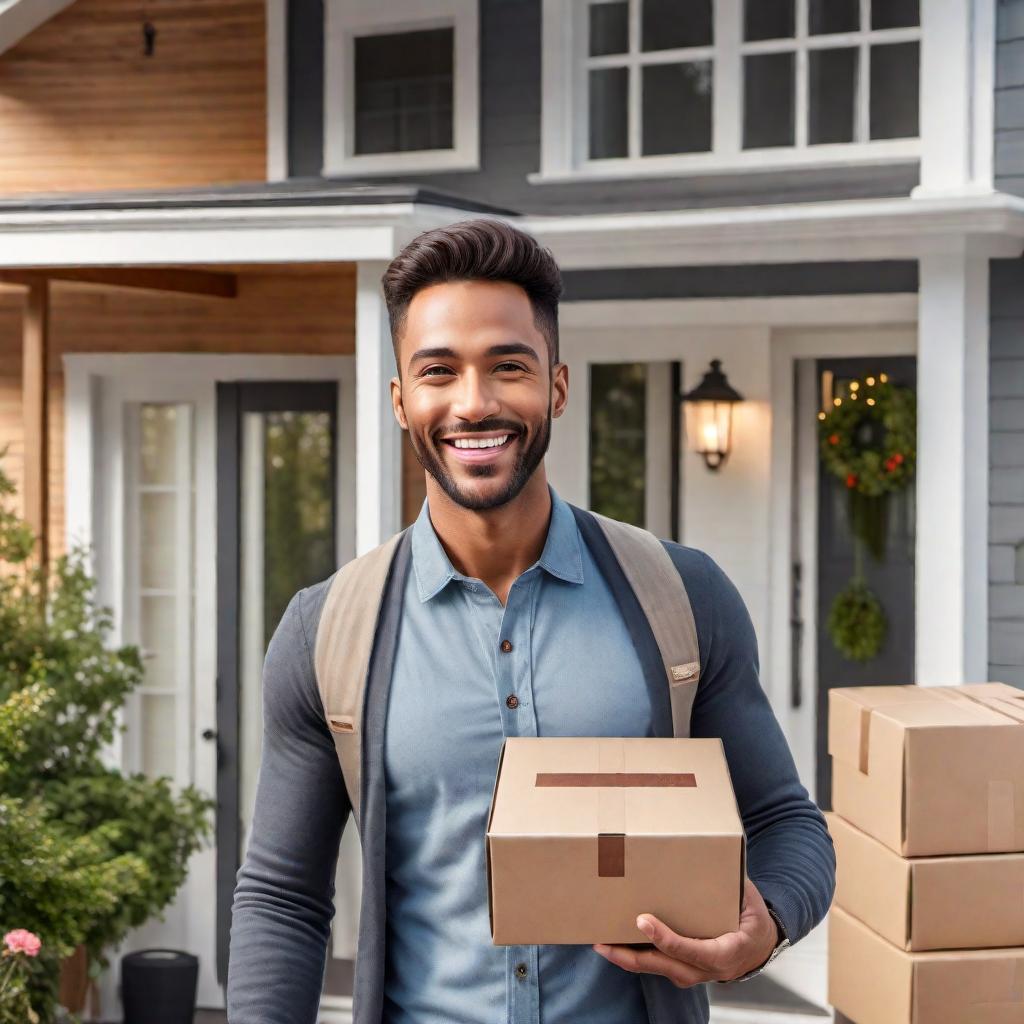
(709, 427)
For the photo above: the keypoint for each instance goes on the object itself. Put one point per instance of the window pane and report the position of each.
(768, 100)
(833, 16)
(158, 551)
(894, 91)
(769, 19)
(609, 90)
(618, 441)
(895, 13)
(833, 95)
(158, 741)
(609, 28)
(677, 108)
(158, 443)
(159, 639)
(670, 24)
(403, 91)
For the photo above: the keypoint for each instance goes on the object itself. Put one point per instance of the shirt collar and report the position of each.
(561, 556)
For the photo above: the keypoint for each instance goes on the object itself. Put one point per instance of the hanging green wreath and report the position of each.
(869, 437)
(857, 622)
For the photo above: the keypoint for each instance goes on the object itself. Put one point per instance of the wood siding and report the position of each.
(275, 312)
(1009, 99)
(82, 109)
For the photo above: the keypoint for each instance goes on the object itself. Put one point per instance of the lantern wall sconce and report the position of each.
(708, 410)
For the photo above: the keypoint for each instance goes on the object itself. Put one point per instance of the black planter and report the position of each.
(158, 986)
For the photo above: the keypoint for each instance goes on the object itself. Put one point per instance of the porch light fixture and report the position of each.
(708, 409)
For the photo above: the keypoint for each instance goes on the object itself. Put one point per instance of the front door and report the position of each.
(277, 521)
(891, 579)
(213, 500)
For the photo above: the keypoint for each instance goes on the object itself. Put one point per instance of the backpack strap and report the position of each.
(661, 593)
(341, 659)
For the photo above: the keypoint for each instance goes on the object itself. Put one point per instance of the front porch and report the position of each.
(288, 291)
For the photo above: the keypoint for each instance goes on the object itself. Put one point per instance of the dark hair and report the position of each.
(476, 250)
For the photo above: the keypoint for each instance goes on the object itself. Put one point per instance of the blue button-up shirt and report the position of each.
(573, 671)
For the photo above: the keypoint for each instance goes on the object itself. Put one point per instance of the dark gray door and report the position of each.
(891, 580)
(276, 529)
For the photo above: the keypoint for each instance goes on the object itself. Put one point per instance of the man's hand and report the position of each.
(687, 962)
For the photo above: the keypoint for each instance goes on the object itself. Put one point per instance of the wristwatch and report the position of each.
(783, 943)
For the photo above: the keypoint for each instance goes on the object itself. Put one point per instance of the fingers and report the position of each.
(706, 955)
(653, 961)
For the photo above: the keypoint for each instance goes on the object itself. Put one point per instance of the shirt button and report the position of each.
(506, 646)
(520, 970)
(512, 701)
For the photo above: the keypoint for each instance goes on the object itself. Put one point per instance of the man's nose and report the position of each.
(475, 399)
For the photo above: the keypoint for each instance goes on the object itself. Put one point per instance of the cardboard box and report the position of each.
(873, 982)
(930, 770)
(585, 833)
(927, 903)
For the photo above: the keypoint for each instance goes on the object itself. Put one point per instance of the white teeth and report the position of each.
(487, 442)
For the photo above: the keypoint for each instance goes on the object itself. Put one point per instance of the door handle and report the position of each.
(209, 734)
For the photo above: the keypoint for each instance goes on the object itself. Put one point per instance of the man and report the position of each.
(508, 621)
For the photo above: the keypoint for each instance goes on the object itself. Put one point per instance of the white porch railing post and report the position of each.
(951, 639)
(378, 436)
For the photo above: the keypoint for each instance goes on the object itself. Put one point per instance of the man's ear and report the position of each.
(396, 403)
(560, 389)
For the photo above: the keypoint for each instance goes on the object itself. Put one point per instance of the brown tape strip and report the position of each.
(617, 779)
(611, 855)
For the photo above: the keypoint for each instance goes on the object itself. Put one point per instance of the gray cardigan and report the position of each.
(283, 901)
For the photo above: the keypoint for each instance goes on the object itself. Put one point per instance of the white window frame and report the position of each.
(348, 19)
(565, 120)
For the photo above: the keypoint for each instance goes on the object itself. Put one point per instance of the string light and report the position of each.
(854, 385)
(883, 377)
(871, 401)
(821, 415)
(871, 382)
(837, 401)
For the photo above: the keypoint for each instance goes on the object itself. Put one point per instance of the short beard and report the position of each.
(525, 463)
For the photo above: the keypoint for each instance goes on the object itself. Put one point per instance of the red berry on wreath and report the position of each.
(833, 439)
(851, 480)
(897, 458)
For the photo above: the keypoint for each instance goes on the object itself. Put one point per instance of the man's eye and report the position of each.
(429, 371)
(509, 366)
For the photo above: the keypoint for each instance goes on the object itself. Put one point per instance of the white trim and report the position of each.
(951, 578)
(347, 19)
(957, 97)
(899, 228)
(732, 1015)
(565, 64)
(21, 17)
(277, 90)
(790, 311)
(856, 229)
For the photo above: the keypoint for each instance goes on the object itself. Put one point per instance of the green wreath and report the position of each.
(857, 622)
(869, 438)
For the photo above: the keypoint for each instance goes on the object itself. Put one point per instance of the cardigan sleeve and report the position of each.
(283, 899)
(790, 855)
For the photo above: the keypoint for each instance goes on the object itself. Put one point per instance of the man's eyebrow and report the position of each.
(508, 348)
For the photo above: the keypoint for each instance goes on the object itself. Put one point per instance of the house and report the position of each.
(197, 201)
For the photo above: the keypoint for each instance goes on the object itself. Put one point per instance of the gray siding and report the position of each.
(510, 97)
(1009, 103)
(1006, 482)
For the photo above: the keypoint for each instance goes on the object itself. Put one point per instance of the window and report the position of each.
(670, 86)
(401, 86)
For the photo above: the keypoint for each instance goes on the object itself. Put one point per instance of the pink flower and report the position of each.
(22, 941)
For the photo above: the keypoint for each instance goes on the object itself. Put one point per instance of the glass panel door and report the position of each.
(277, 529)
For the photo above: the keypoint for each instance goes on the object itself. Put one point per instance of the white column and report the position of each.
(378, 436)
(952, 471)
(957, 96)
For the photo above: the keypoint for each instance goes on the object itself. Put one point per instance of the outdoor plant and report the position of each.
(87, 852)
(19, 946)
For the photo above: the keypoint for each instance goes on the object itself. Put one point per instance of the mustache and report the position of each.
(479, 428)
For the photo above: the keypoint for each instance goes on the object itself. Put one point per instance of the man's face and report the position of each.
(475, 368)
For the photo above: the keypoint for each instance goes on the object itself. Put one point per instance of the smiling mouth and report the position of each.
(479, 449)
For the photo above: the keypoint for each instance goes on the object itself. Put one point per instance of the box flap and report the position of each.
(585, 786)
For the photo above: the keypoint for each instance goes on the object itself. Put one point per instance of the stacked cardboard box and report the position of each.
(928, 823)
